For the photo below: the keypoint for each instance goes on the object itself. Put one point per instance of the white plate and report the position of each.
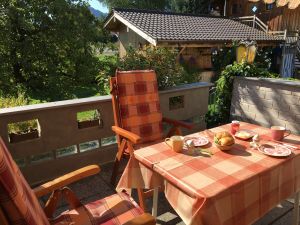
(248, 132)
(275, 150)
(198, 141)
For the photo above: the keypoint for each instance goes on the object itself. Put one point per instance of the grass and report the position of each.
(79, 92)
(88, 115)
(86, 91)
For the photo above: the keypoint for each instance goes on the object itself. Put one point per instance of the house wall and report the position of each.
(198, 57)
(278, 18)
(267, 102)
(127, 38)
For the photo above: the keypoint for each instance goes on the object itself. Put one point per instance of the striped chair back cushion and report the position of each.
(17, 199)
(139, 106)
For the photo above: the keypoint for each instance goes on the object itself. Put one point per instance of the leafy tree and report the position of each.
(183, 6)
(190, 6)
(139, 4)
(47, 46)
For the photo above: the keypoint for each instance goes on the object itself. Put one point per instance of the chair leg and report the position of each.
(71, 198)
(141, 196)
(115, 172)
(51, 204)
(178, 131)
(174, 131)
(118, 158)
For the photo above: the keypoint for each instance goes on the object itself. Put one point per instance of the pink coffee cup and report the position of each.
(279, 132)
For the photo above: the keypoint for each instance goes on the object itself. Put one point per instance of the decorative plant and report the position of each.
(220, 112)
(22, 127)
(227, 56)
(19, 127)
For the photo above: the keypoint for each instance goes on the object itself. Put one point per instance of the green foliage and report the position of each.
(263, 57)
(47, 47)
(162, 60)
(182, 6)
(137, 4)
(223, 57)
(291, 79)
(88, 115)
(226, 56)
(108, 66)
(22, 127)
(220, 112)
(190, 6)
(11, 101)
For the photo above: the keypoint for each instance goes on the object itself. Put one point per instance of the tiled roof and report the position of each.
(164, 26)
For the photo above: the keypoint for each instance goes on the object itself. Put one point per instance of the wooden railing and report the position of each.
(255, 22)
(281, 34)
(62, 143)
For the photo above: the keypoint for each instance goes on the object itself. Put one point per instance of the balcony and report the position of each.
(63, 143)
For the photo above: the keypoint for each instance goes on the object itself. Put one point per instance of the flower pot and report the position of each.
(88, 123)
(20, 137)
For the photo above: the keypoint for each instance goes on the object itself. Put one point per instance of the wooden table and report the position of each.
(233, 187)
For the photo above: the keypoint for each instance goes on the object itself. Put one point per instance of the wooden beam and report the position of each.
(193, 45)
(210, 44)
(135, 29)
(181, 50)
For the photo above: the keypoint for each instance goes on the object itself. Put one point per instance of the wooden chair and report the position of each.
(137, 116)
(19, 203)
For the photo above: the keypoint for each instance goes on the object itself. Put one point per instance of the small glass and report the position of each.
(235, 126)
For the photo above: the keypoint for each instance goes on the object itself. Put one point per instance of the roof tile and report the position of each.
(184, 27)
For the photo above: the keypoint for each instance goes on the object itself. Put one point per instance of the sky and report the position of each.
(97, 5)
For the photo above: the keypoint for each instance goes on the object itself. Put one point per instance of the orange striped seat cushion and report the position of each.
(113, 210)
(139, 104)
(17, 199)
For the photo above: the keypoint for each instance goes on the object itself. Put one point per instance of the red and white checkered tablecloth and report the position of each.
(232, 187)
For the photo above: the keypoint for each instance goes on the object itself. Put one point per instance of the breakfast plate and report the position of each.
(197, 141)
(244, 134)
(275, 150)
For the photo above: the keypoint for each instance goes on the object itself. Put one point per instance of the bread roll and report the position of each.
(226, 141)
(226, 134)
(219, 135)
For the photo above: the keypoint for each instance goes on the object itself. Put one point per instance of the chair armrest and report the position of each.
(144, 219)
(126, 134)
(178, 123)
(66, 180)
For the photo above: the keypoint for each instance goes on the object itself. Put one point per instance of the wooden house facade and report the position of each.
(277, 18)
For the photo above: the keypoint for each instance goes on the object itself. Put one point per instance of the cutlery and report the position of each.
(286, 145)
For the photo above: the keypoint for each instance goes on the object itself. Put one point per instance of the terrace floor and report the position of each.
(98, 186)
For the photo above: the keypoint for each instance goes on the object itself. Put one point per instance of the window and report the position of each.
(254, 9)
(269, 6)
